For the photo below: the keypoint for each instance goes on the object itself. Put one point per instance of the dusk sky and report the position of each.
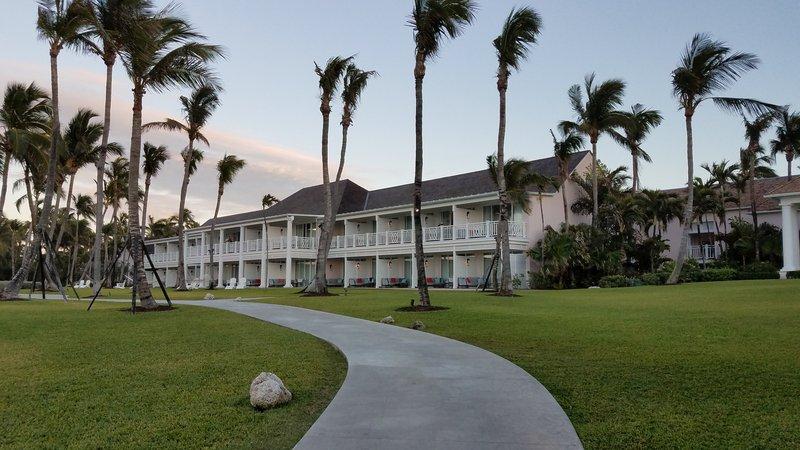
(270, 108)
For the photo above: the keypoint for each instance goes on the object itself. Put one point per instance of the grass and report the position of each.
(181, 378)
(704, 365)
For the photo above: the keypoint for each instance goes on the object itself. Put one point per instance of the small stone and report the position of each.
(388, 319)
(238, 299)
(418, 325)
(208, 296)
(268, 391)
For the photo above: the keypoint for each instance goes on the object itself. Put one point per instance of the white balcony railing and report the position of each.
(297, 242)
(701, 252)
(164, 257)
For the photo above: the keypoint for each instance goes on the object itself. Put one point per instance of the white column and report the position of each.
(241, 251)
(456, 272)
(264, 262)
(346, 272)
(202, 253)
(289, 234)
(379, 272)
(414, 280)
(791, 244)
(219, 255)
(185, 253)
(413, 277)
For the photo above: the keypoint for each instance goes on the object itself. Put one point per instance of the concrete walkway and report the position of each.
(408, 389)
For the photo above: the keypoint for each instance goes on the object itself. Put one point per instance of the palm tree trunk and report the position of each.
(180, 283)
(689, 208)
(564, 195)
(4, 188)
(320, 286)
(144, 203)
(419, 252)
(66, 216)
(541, 212)
(75, 245)
(31, 200)
(635, 169)
(115, 222)
(595, 208)
(753, 211)
(100, 165)
(789, 160)
(212, 284)
(136, 244)
(502, 228)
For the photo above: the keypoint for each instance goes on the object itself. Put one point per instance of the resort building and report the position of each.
(373, 243)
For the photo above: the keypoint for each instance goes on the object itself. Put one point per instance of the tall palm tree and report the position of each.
(638, 123)
(595, 117)
(25, 112)
(660, 208)
(722, 175)
(520, 31)
(266, 201)
(116, 191)
(165, 53)
(107, 21)
(563, 149)
(197, 109)
(84, 209)
(787, 137)
(154, 159)
(330, 79)
(227, 168)
(432, 21)
(353, 84)
(754, 130)
(80, 149)
(706, 67)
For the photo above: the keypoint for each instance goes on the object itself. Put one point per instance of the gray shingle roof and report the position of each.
(354, 198)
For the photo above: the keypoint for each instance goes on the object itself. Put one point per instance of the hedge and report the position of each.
(612, 281)
(722, 274)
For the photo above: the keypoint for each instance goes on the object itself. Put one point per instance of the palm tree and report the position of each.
(84, 209)
(563, 149)
(787, 137)
(721, 175)
(330, 79)
(520, 31)
(154, 159)
(165, 53)
(754, 129)
(706, 67)
(197, 109)
(227, 167)
(660, 208)
(638, 123)
(80, 139)
(103, 37)
(353, 84)
(25, 112)
(432, 20)
(116, 190)
(266, 201)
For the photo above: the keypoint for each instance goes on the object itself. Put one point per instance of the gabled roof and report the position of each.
(787, 187)
(354, 198)
(763, 187)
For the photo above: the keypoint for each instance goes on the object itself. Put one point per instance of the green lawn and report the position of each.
(105, 378)
(699, 365)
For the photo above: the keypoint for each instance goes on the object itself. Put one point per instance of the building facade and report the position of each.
(373, 235)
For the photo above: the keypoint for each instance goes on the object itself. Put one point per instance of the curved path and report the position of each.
(408, 389)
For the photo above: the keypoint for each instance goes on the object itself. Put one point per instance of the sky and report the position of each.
(270, 107)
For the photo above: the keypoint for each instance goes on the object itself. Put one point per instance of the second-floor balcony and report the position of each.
(296, 242)
(444, 233)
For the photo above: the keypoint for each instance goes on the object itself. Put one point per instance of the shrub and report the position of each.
(793, 275)
(689, 272)
(760, 267)
(722, 274)
(654, 278)
(759, 271)
(612, 281)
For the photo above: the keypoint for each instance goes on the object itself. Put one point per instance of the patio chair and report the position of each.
(242, 283)
(79, 285)
(462, 282)
(402, 282)
(384, 282)
(231, 284)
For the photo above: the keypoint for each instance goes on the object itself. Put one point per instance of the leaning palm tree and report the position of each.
(107, 21)
(706, 67)
(563, 149)
(84, 209)
(154, 159)
(721, 175)
(165, 53)
(520, 31)
(25, 111)
(353, 85)
(595, 117)
(58, 23)
(787, 137)
(638, 123)
(432, 20)
(116, 176)
(80, 149)
(197, 109)
(227, 168)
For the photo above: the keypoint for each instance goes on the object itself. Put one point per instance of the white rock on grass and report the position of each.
(208, 296)
(388, 319)
(268, 391)
(418, 325)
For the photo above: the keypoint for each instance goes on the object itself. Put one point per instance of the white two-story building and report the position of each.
(373, 234)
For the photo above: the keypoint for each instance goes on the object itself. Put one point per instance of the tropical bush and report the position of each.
(721, 274)
(759, 271)
(612, 281)
(654, 278)
(690, 271)
(739, 245)
(793, 275)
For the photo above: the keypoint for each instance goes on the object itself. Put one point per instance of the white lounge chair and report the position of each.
(120, 285)
(79, 285)
(242, 283)
(231, 284)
